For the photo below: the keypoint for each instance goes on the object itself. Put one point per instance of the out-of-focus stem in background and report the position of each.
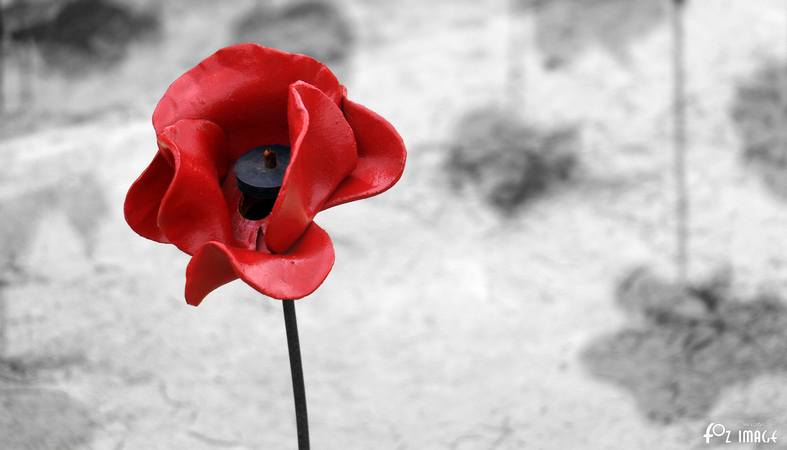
(782, 125)
(679, 142)
(2, 60)
(26, 61)
(515, 77)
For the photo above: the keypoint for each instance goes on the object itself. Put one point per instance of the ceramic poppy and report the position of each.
(240, 98)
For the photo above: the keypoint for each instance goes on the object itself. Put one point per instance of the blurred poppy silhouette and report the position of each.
(79, 35)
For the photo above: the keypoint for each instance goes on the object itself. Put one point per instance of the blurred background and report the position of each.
(517, 289)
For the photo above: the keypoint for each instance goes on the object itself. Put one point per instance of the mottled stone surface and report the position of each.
(441, 326)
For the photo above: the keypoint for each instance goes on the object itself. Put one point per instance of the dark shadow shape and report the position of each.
(564, 29)
(759, 112)
(34, 418)
(21, 16)
(690, 344)
(28, 369)
(84, 34)
(314, 28)
(509, 162)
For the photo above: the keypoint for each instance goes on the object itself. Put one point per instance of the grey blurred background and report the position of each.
(517, 289)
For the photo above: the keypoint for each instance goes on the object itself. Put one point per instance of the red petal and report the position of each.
(144, 199)
(323, 154)
(178, 199)
(243, 89)
(283, 276)
(381, 156)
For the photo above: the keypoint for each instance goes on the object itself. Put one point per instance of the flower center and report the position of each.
(259, 174)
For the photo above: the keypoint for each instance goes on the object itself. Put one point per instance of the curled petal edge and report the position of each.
(243, 89)
(381, 156)
(178, 199)
(193, 210)
(323, 155)
(288, 276)
(143, 199)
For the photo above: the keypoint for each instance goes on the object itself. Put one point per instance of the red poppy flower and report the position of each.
(243, 97)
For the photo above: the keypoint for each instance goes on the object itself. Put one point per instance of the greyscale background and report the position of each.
(515, 290)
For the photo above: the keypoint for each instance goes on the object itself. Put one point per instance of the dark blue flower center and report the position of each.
(259, 174)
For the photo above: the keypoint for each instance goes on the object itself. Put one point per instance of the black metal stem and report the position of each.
(296, 368)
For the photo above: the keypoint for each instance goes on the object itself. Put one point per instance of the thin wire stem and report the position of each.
(679, 143)
(2, 59)
(26, 68)
(783, 98)
(516, 70)
(296, 368)
(3, 320)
